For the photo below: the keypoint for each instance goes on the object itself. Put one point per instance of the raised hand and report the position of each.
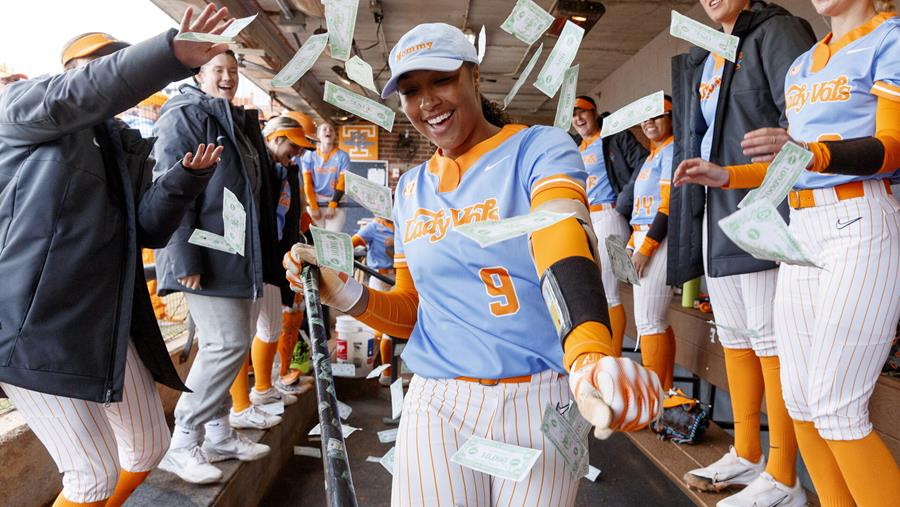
(210, 20)
(206, 156)
(700, 172)
(761, 145)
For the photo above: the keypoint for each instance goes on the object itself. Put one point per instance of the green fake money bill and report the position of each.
(760, 231)
(523, 76)
(363, 107)
(566, 99)
(360, 72)
(211, 240)
(482, 44)
(235, 219)
(340, 18)
(488, 233)
(570, 444)
(372, 196)
(621, 261)
(641, 109)
(228, 35)
(700, 35)
(551, 76)
(501, 460)
(527, 21)
(333, 250)
(387, 461)
(781, 175)
(301, 62)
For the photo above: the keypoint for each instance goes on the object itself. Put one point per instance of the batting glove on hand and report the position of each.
(615, 393)
(336, 290)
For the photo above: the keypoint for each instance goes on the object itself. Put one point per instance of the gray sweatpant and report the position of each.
(225, 329)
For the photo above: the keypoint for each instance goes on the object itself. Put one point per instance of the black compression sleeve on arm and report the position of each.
(855, 157)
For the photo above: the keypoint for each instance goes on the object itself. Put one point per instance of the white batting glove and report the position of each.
(336, 290)
(615, 394)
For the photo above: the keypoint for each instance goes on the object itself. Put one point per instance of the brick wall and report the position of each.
(391, 149)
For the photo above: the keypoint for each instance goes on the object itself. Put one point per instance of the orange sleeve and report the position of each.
(665, 191)
(357, 241)
(648, 247)
(887, 131)
(559, 241)
(746, 175)
(340, 182)
(393, 312)
(309, 190)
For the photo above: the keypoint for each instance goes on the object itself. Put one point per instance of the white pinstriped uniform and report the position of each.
(445, 413)
(743, 302)
(90, 442)
(606, 222)
(268, 323)
(835, 325)
(652, 296)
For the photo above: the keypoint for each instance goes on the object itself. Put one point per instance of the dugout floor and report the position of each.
(628, 478)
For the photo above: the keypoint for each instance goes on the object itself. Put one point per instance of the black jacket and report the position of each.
(76, 204)
(751, 97)
(623, 156)
(187, 120)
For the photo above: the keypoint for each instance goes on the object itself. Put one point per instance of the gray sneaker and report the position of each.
(294, 389)
(235, 446)
(271, 395)
(253, 418)
(190, 464)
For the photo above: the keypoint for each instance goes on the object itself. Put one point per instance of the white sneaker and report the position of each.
(253, 418)
(765, 491)
(730, 470)
(271, 395)
(235, 446)
(190, 464)
(295, 389)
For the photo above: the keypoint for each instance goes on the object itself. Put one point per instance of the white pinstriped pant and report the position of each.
(835, 325)
(90, 442)
(439, 415)
(652, 296)
(743, 302)
(606, 222)
(268, 323)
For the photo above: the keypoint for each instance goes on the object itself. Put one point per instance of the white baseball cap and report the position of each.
(429, 46)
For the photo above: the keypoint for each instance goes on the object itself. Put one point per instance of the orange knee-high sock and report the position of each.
(745, 385)
(617, 322)
(240, 388)
(61, 501)
(655, 355)
(670, 354)
(868, 468)
(128, 482)
(782, 464)
(287, 340)
(386, 347)
(819, 460)
(263, 354)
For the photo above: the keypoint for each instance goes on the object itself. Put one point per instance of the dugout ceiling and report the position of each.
(271, 41)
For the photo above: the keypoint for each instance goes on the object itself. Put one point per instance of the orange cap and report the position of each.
(90, 43)
(285, 126)
(584, 104)
(667, 105)
(305, 121)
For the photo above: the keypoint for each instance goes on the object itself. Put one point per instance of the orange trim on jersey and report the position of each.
(450, 171)
(310, 191)
(557, 181)
(825, 49)
(656, 148)
(746, 175)
(603, 206)
(886, 91)
(385, 222)
(326, 156)
(718, 62)
(665, 192)
(356, 241)
(587, 141)
(394, 312)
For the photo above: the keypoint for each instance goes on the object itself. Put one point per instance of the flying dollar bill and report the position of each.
(482, 44)
(235, 218)
(505, 461)
(523, 76)
(566, 99)
(333, 249)
(228, 35)
(527, 21)
(641, 109)
(301, 62)
(551, 76)
(211, 240)
(372, 196)
(360, 72)
(363, 107)
(570, 444)
(760, 231)
(622, 265)
(781, 175)
(340, 18)
(700, 35)
(488, 233)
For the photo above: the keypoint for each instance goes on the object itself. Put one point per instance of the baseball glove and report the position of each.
(683, 421)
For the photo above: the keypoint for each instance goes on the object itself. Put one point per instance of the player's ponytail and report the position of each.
(493, 113)
(885, 6)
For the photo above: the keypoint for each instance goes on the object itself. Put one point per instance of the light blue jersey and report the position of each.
(481, 313)
(657, 170)
(838, 100)
(710, 84)
(326, 169)
(599, 190)
(379, 237)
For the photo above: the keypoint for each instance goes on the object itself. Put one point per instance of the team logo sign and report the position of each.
(360, 141)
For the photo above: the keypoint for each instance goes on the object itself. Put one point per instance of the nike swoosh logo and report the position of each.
(841, 225)
(857, 50)
(489, 167)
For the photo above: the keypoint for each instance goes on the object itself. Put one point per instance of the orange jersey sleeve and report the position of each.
(393, 312)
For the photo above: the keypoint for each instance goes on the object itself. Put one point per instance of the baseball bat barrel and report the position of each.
(339, 490)
(371, 272)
